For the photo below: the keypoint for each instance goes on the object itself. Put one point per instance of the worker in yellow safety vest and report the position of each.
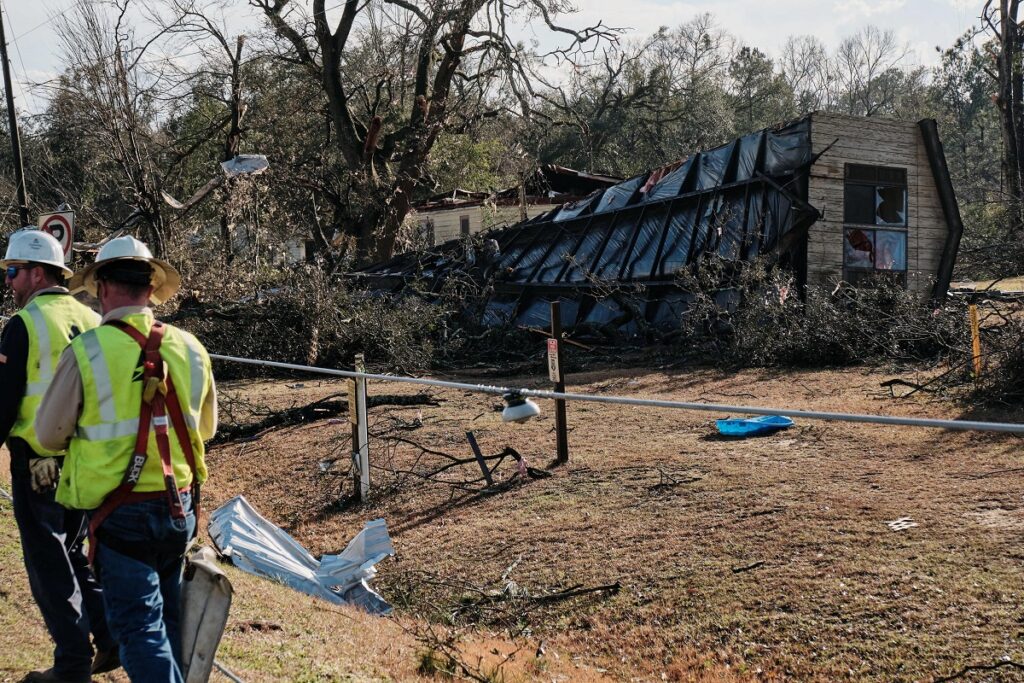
(133, 400)
(52, 537)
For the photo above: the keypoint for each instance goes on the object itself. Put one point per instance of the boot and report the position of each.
(49, 676)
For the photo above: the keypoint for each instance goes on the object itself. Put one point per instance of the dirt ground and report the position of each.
(759, 559)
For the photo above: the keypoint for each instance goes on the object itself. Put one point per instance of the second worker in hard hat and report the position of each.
(133, 400)
(61, 581)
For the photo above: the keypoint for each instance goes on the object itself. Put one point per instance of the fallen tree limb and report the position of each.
(327, 407)
(889, 384)
(576, 591)
(470, 485)
(980, 667)
(748, 567)
(564, 339)
(995, 472)
(490, 599)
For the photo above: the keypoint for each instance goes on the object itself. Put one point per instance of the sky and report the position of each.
(921, 24)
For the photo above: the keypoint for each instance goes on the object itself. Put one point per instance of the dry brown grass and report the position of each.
(654, 500)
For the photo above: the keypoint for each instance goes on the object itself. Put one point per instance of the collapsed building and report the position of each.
(460, 213)
(832, 198)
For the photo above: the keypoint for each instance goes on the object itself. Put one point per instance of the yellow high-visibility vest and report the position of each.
(51, 320)
(110, 363)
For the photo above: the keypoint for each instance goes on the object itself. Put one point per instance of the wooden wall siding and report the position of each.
(447, 226)
(875, 142)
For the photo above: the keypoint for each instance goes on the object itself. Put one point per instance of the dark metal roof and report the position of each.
(739, 200)
(549, 182)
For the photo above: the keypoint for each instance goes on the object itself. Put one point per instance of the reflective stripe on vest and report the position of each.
(99, 453)
(103, 386)
(43, 343)
(50, 320)
(116, 430)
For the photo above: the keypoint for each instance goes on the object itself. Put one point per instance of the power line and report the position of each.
(960, 425)
(34, 28)
(963, 425)
(24, 71)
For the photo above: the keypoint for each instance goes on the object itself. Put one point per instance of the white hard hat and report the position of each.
(165, 279)
(30, 245)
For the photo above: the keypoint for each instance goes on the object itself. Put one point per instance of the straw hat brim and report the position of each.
(165, 280)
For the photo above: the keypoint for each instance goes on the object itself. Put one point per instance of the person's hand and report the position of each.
(45, 473)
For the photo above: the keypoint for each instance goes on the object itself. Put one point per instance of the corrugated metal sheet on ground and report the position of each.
(259, 547)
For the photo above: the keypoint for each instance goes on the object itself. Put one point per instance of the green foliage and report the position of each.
(303, 316)
(469, 163)
(753, 316)
(760, 95)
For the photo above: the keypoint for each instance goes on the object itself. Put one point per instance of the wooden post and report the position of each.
(353, 419)
(975, 339)
(556, 375)
(480, 458)
(12, 122)
(363, 429)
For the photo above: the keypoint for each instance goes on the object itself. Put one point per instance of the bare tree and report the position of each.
(862, 61)
(807, 67)
(113, 92)
(122, 90)
(598, 102)
(203, 25)
(395, 74)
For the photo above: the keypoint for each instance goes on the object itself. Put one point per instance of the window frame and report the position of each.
(875, 177)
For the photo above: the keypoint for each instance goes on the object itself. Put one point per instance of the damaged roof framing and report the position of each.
(744, 199)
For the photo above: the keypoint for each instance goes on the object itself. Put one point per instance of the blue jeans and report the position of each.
(139, 558)
(59, 576)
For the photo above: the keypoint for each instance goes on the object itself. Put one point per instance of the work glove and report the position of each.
(45, 473)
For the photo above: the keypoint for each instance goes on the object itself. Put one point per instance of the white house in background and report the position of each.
(460, 213)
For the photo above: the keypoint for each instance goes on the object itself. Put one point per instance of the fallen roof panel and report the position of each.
(738, 200)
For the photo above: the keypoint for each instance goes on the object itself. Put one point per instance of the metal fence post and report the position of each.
(362, 427)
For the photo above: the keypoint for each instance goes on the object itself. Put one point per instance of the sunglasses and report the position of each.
(12, 271)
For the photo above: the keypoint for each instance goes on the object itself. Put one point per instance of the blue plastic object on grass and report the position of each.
(752, 426)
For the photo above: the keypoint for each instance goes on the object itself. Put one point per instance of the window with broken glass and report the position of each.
(875, 223)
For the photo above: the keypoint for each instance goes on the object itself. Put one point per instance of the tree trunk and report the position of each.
(231, 142)
(1010, 100)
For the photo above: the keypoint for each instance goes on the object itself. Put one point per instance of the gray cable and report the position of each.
(1007, 427)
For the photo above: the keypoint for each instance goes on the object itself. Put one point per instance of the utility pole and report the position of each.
(12, 120)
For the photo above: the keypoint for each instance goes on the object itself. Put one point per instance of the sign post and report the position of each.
(556, 376)
(60, 224)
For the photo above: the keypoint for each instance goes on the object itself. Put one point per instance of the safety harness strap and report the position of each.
(158, 398)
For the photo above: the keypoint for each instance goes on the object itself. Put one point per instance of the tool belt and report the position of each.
(160, 406)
